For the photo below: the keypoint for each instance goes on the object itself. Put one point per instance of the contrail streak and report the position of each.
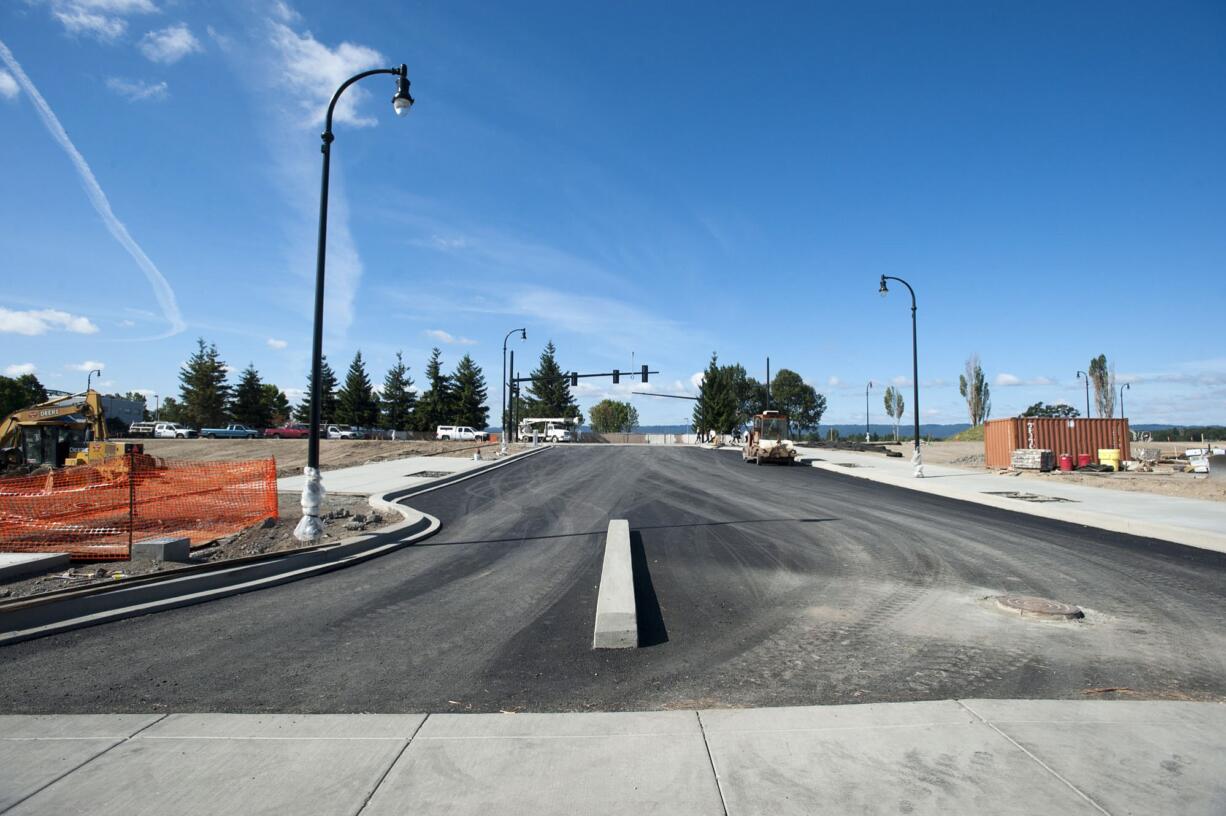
(161, 288)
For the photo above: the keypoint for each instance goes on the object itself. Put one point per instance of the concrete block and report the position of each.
(18, 565)
(162, 549)
(617, 624)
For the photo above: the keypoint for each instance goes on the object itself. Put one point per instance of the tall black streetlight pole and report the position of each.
(867, 433)
(90, 376)
(1122, 387)
(1081, 374)
(523, 335)
(916, 458)
(310, 528)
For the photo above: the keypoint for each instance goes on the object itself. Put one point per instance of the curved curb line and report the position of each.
(34, 620)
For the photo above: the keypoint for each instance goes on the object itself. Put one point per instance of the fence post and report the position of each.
(131, 498)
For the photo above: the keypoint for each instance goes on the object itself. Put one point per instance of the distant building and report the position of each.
(124, 412)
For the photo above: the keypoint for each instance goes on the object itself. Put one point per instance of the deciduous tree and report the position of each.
(611, 416)
(894, 407)
(1102, 377)
(974, 389)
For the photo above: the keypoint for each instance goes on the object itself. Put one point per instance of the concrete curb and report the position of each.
(616, 615)
(1200, 539)
(29, 618)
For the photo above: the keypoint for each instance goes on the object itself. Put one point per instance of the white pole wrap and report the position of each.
(310, 528)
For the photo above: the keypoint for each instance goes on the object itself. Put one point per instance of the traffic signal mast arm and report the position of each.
(575, 376)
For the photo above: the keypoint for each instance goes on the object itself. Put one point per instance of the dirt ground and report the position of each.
(342, 520)
(1164, 481)
(291, 454)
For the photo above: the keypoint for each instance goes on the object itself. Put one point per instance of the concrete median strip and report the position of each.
(617, 624)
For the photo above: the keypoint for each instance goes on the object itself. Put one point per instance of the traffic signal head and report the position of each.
(644, 373)
(574, 378)
(617, 376)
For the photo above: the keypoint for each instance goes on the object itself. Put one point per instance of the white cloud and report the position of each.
(161, 288)
(103, 19)
(312, 72)
(170, 44)
(448, 338)
(88, 365)
(138, 90)
(697, 378)
(285, 12)
(40, 321)
(8, 86)
(294, 394)
(127, 324)
(274, 343)
(834, 382)
(1006, 380)
(900, 380)
(17, 369)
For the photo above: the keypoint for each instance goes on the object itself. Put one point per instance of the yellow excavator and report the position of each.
(65, 431)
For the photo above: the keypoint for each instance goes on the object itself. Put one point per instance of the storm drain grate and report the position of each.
(1030, 497)
(427, 474)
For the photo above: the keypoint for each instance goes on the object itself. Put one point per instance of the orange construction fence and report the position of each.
(94, 512)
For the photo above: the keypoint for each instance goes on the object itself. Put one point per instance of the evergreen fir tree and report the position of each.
(435, 406)
(716, 407)
(202, 387)
(355, 402)
(397, 401)
(549, 395)
(276, 403)
(327, 396)
(249, 406)
(469, 393)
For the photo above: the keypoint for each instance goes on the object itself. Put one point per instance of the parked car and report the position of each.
(232, 431)
(295, 430)
(169, 430)
(461, 432)
(343, 432)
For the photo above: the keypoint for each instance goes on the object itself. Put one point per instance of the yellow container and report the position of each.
(1109, 456)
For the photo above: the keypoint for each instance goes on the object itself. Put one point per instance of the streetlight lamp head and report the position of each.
(403, 100)
(884, 290)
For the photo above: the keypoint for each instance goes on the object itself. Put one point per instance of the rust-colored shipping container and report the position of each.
(1072, 436)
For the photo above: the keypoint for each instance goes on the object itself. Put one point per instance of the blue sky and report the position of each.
(627, 179)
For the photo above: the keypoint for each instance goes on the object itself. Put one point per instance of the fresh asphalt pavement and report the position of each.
(758, 586)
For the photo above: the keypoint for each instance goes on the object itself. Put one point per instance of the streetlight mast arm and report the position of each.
(402, 71)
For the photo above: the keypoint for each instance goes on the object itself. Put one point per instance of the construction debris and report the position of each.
(1032, 459)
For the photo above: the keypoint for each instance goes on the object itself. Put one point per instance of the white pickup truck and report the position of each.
(461, 432)
(161, 430)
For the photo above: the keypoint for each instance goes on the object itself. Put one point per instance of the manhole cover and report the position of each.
(848, 464)
(427, 474)
(1030, 607)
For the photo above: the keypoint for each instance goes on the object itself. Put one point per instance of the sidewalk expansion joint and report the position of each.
(392, 764)
(1038, 761)
(723, 803)
(81, 765)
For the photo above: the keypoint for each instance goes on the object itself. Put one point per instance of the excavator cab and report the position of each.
(53, 433)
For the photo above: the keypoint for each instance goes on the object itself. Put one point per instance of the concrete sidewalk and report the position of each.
(381, 477)
(1194, 522)
(948, 757)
